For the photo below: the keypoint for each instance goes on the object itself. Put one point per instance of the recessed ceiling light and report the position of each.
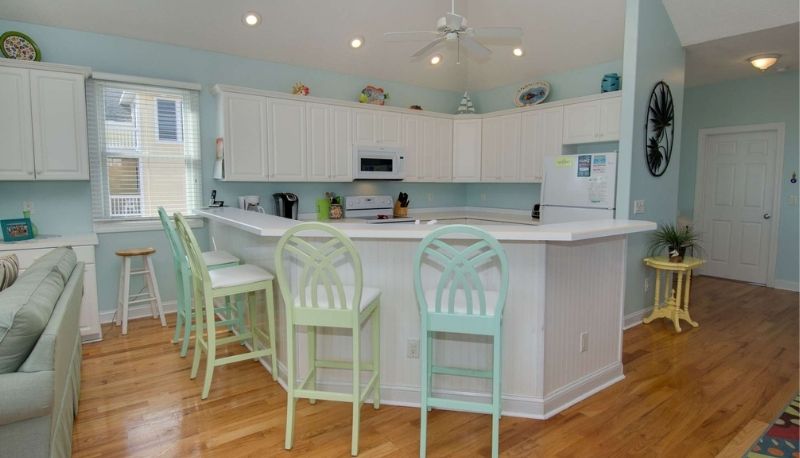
(357, 42)
(764, 61)
(251, 19)
(436, 59)
(518, 52)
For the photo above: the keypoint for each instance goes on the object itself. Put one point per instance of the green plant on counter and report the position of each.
(675, 240)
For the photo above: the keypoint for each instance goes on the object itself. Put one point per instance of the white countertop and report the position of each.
(50, 241)
(274, 226)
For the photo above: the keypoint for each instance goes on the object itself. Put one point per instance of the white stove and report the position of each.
(372, 209)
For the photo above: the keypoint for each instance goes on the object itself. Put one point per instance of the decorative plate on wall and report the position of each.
(532, 93)
(17, 45)
(659, 129)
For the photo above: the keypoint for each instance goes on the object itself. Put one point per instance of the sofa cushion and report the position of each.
(9, 270)
(25, 309)
(61, 259)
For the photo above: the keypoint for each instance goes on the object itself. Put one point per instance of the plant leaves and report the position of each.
(654, 155)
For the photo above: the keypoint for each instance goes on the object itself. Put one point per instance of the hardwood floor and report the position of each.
(700, 393)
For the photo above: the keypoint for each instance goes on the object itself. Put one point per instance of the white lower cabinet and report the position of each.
(541, 136)
(428, 148)
(467, 150)
(500, 148)
(329, 144)
(28, 252)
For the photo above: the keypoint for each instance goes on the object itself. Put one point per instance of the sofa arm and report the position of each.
(25, 395)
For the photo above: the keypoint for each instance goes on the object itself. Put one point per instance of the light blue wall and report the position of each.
(653, 53)
(574, 83)
(515, 196)
(762, 99)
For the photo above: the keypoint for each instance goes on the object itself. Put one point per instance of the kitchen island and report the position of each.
(562, 324)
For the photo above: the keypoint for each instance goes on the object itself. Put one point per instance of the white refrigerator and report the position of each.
(579, 187)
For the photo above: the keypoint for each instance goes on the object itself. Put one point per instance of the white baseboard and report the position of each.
(787, 285)
(635, 318)
(138, 311)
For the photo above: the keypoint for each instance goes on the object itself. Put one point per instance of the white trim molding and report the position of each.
(634, 319)
(702, 136)
(138, 311)
(787, 285)
(132, 79)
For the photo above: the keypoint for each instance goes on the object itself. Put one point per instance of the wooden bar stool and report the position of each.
(673, 304)
(125, 298)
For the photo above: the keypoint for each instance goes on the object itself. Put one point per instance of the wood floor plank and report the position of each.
(705, 392)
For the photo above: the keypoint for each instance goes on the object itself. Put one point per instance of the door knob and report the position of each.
(767, 216)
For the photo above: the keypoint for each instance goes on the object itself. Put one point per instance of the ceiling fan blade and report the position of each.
(424, 50)
(474, 47)
(454, 22)
(497, 32)
(410, 36)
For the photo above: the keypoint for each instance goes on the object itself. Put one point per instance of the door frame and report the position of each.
(702, 137)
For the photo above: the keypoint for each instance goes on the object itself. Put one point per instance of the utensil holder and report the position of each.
(400, 212)
(336, 211)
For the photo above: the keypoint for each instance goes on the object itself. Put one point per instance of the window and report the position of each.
(144, 150)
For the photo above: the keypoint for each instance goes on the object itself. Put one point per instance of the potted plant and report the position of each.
(675, 240)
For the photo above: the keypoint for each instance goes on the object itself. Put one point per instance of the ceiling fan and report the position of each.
(454, 27)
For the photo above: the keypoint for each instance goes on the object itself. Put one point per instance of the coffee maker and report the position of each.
(286, 204)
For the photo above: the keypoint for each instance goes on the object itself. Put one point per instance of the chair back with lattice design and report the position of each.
(319, 283)
(460, 273)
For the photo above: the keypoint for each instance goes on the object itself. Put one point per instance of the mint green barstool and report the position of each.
(460, 304)
(238, 281)
(184, 321)
(319, 298)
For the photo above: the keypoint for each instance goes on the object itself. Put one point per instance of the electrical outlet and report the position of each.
(430, 197)
(483, 197)
(27, 206)
(638, 207)
(584, 342)
(412, 349)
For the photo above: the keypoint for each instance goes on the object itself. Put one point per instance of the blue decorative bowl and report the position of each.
(610, 83)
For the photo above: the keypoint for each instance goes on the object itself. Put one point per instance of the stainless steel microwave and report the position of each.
(378, 163)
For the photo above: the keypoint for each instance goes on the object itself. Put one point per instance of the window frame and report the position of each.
(178, 120)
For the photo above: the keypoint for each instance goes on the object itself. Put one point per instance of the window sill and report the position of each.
(147, 224)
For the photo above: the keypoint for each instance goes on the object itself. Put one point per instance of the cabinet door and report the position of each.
(364, 125)
(581, 123)
(508, 158)
(413, 149)
(16, 131)
(244, 120)
(90, 315)
(389, 129)
(444, 150)
(491, 144)
(287, 140)
(58, 112)
(541, 136)
(609, 119)
(341, 146)
(467, 150)
(318, 117)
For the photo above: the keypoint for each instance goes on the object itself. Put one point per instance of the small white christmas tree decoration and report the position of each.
(466, 107)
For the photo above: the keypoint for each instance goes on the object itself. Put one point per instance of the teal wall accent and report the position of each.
(762, 99)
(653, 53)
(514, 196)
(564, 85)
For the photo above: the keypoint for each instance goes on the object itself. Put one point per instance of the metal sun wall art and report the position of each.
(659, 129)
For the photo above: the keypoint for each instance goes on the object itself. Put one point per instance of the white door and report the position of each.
(467, 150)
(541, 136)
(16, 132)
(58, 112)
(287, 140)
(318, 142)
(341, 146)
(738, 188)
(244, 120)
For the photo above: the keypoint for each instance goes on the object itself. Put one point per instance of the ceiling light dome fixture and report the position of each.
(435, 59)
(518, 52)
(764, 61)
(251, 18)
(357, 42)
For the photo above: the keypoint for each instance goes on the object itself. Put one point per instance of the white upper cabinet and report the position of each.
(541, 136)
(16, 130)
(373, 127)
(286, 140)
(330, 143)
(594, 121)
(500, 152)
(43, 123)
(428, 148)
(244, 130)
(467, 150)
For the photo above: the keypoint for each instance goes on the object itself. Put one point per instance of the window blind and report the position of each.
(144, 149)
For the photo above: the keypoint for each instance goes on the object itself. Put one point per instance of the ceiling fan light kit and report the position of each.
(435, 59)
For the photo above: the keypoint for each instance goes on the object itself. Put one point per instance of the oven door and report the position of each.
(378, 165)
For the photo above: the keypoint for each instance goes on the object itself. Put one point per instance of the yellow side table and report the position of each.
(674, 304)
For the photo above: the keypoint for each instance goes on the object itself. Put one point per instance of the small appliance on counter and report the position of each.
(251, 204)
(579, 187)
(373, 209)
(287, 204)
(536, 212)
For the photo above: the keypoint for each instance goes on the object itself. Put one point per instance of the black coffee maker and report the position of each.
(286, 204)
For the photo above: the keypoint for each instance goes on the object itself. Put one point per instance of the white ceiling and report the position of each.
(697, 21)
(558, 35)
(726, 58)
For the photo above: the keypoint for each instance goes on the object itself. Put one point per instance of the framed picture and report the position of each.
(16, 229)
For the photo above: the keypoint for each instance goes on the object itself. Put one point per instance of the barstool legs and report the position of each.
(152, 296)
